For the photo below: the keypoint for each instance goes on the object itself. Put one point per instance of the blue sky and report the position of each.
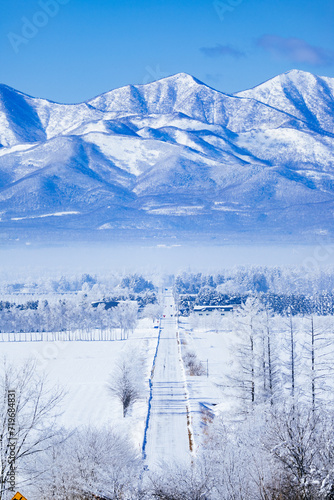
(72, 50)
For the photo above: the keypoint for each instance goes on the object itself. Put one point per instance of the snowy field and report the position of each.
(213, 350)
(83, 369)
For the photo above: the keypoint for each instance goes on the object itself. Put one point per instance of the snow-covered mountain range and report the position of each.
(172, 157)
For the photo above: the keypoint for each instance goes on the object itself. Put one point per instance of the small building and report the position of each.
(108, 304)
(207, 310)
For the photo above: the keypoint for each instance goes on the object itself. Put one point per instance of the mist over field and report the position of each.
(163, 258)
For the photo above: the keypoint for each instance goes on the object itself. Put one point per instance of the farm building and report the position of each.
(207, 310)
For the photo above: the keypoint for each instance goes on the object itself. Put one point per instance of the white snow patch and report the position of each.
(181, 210)
(56, 214)
(14, 149)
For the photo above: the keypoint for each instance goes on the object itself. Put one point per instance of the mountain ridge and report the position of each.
(171, 157)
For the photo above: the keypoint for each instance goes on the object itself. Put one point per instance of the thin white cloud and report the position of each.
(296, 50)
(221, 51)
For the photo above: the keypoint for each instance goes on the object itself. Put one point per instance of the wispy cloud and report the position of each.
(297, 50)
(221, 51)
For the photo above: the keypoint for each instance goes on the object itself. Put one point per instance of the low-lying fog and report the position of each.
(164, 258)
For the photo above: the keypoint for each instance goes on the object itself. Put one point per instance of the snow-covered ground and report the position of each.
(83, 369)
(213, 351)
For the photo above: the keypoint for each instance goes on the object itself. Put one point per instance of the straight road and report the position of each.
(167, 436)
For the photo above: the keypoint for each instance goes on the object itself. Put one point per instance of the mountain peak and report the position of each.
(298, 72)
(181, 78)
(305, 96)
(298, 75)
(161, 96)
(291, 75)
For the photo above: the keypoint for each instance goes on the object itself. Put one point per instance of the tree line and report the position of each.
(67, 319)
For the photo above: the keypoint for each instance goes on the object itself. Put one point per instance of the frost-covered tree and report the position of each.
(247, 376)
(90, 463)
(286, 452)
(181, 482)
(153, 311)
(127, 379)
(28, 412)
(317, 353)
(301, 444)
(291, 356)
(271, 369)
(125, 316)
(237, 456)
